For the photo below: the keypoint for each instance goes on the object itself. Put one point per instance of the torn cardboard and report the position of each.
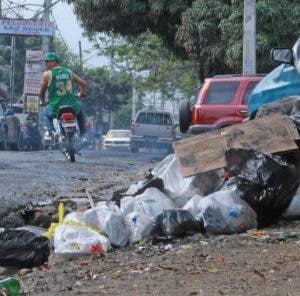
(205, 152)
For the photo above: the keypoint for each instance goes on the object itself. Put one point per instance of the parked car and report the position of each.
(117, 139)
(222, 101)
(282, 82)
(152, 129)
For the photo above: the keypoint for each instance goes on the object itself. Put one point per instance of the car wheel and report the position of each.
(184, 116)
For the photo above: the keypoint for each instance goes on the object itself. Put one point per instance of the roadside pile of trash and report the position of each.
(254, 190)
(249, 189)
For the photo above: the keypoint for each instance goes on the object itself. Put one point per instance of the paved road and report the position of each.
(39, 176)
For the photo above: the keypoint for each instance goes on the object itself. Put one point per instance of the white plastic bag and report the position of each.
(140, 226)
(225, 212)
(127, 204)
(109, 218)
(152, 203)
(180, 189)
(193, 206)
(77, 217)
(79, 239)
(293, 210)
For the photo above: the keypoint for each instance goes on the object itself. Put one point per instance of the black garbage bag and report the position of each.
(175, 223)
(23, 248)
(268, 183)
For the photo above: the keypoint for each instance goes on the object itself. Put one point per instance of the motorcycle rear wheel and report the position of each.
(70, 147)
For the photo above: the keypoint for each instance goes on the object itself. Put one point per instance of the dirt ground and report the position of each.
(265, 262)
(241, 264)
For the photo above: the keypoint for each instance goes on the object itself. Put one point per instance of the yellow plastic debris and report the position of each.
(61, 213)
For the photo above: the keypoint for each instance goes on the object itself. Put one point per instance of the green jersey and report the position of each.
(61, 90)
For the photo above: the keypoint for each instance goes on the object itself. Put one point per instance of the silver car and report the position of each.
(117, 139)
(152, 130)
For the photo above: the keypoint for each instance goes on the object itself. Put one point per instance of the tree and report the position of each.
(106, 92)
(134, 17)
(209, 32)
(152, 66)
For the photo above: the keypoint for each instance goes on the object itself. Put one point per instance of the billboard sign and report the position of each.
(34, 68)
(26, 27)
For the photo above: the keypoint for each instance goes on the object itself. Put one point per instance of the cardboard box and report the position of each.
(201, 153)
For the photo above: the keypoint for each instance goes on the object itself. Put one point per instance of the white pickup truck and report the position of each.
(152, 130)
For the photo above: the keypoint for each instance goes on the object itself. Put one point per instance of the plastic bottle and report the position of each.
(11, 285)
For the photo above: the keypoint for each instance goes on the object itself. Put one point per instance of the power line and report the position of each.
(36, 15)
(11, 9)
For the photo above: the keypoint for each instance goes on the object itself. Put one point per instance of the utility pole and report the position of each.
(249, 38)
(134, 101)
(80, 57)
(12, 68)
(47, 40)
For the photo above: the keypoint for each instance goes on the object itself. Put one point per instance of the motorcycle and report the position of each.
(31, 138)
(67, 132)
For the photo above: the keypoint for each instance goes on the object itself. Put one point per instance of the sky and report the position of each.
(68, 26)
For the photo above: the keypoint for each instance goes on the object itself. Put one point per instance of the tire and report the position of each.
(70, 147)
(184, 116)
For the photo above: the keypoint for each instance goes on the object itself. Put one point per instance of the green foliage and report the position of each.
(209, 32)
(105, 92)
(153, 67)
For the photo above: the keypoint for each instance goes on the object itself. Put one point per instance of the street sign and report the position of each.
(26, 27)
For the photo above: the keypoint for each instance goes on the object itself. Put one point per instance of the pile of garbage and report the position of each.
(254, 190)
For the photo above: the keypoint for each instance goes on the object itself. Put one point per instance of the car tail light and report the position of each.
(67, 116)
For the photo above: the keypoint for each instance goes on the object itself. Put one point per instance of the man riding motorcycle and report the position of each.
(60, 84)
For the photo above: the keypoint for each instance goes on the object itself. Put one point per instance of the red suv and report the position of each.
(222, 101)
